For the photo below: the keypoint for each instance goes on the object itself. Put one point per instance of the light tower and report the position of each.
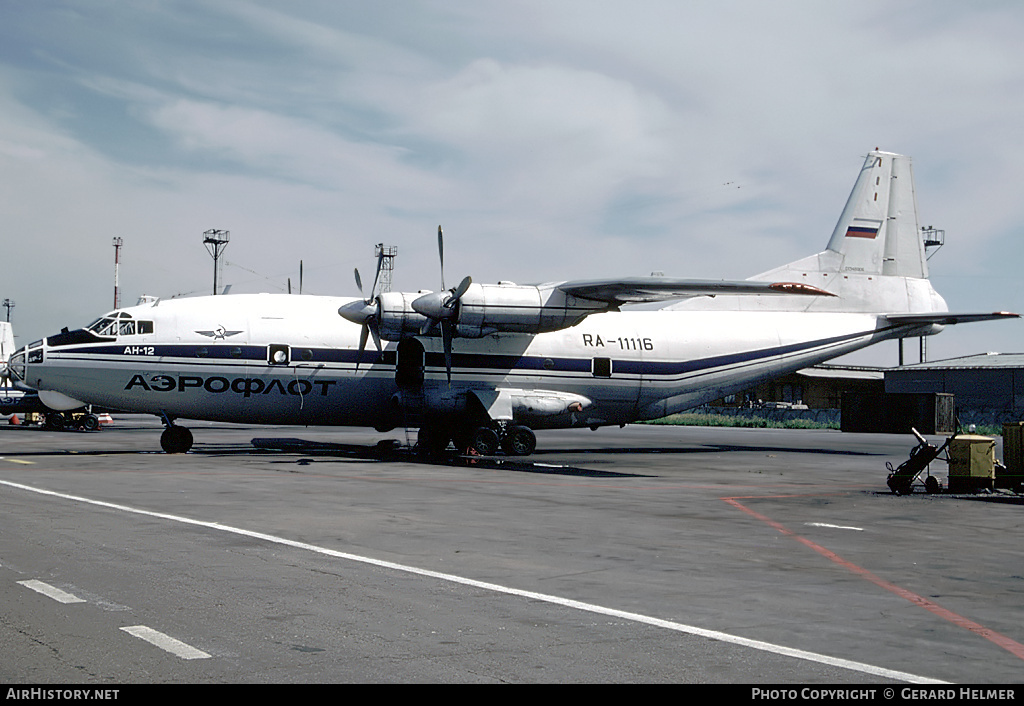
(386, 253)
(8, 304)
(215, 242)
(118, 242)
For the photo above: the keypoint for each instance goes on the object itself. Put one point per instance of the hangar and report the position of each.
(988, 387)
(984, 389)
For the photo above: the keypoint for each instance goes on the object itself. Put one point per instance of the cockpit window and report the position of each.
(104, 327)
(119, 325)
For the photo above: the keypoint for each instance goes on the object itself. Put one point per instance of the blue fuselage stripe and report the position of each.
(161, 355)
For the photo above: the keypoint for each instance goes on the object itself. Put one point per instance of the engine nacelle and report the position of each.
(510, 308)
(483, 309)
(397, 317)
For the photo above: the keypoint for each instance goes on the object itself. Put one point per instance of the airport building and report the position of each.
(983, 389)
(988, 388)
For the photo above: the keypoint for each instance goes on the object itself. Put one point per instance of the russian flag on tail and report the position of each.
(863, 229)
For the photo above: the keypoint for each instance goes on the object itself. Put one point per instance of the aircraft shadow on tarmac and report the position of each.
(707, 448)
(387, 451)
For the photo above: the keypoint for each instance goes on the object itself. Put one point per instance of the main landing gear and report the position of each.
(175, 439)
(487, 440)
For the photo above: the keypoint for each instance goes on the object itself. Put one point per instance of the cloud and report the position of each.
(551, 139)
(287, 148)
(547, 138)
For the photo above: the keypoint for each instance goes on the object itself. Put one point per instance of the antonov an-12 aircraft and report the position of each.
(484, 365)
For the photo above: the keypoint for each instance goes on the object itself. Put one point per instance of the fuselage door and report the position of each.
(409, 368)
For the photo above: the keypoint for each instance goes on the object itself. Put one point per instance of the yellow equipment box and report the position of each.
(972, 462)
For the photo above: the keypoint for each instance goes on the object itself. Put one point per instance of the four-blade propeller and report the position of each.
(442, 308)
(365, 313)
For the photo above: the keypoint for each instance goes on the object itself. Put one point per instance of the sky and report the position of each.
(552, 139)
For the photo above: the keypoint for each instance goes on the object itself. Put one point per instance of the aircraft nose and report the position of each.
(17, 370)
(16, 366)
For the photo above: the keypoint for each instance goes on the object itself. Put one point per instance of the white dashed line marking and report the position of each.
(165, 642)
(825, 524)
(48, 590)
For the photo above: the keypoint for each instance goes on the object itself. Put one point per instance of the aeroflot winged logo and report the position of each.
(219, 333)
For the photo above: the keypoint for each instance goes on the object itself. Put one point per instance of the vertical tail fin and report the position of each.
(6, 341)
(6, 348)
(877, 232)
(875, 260)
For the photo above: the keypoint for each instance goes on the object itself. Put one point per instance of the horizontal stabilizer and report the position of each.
(636, 290)
(948, 318)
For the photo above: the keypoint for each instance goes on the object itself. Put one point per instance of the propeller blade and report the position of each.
(380, 265)
(363, 334)
(369, 329)
(446, 338)
(440, 253)
(359, 281)
(372, 325)
(461, 289)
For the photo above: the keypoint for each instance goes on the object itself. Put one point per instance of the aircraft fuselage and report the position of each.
(287, 359)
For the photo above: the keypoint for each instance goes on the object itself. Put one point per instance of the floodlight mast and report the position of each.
(386, 254)
(118, 243)
(215, 242)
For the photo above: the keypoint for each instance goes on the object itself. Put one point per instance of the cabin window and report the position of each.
(277, 354)
(602, 367)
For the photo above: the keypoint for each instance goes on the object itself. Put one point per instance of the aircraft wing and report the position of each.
(637, 290)
(948, 317)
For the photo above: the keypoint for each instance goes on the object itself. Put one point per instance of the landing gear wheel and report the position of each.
(176, 440)
(485, 441)
(519, 441)
(55, 421)
(90, 422)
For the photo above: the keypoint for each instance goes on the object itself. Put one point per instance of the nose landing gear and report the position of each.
(175, 439)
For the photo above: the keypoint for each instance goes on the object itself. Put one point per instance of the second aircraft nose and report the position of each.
(15, 369)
